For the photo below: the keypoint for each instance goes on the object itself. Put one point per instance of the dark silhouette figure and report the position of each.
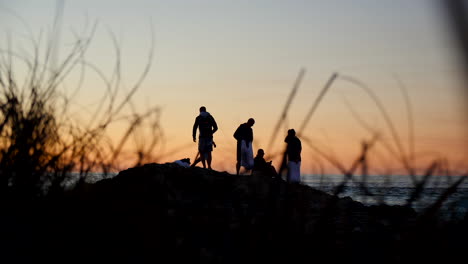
(244, 133)
(262, 166)
(293, 155)
(207, 126)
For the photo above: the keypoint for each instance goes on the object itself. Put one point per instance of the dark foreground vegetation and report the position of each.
(164, 213)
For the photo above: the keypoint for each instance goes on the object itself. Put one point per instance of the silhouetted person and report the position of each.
(244, 137)
(262, 166)
(293, 155)
(207, 126)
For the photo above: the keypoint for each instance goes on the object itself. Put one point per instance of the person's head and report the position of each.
(250, 122)
(202, 109)
(186, 160)
(260, 153)
(291, 132)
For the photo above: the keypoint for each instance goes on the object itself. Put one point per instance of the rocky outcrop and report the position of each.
(219, 217)
(168, 213)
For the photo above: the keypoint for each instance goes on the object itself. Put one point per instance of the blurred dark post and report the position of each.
(456, 13)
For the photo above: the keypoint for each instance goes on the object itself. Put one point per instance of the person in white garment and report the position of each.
(244, 137)
(293, 155)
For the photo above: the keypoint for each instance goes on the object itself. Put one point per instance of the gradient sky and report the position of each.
(240, 60)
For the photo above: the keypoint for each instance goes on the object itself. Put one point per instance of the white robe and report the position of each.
(247, 159)
(294, 171)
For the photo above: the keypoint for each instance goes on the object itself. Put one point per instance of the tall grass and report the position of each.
(358, 171)
(43, 145)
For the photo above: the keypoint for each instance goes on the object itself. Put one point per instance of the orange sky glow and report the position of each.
(240, 59)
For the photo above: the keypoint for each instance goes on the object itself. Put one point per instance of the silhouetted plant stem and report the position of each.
(284, 113)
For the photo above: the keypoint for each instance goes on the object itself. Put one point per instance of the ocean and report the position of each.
(395, 190)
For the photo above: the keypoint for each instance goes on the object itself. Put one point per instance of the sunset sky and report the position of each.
(240, 59)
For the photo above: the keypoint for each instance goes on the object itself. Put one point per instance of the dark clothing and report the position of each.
(205, 144)
(239, 151)
(294, 148)
(243, 132)
(260, 165)
(207, 125)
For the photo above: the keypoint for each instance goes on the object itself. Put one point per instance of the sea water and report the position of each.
(395, 190)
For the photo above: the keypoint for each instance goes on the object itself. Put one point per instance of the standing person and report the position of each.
(207, 126)
(244, 137)
(293, 153)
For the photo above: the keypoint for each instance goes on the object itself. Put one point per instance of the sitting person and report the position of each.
(262, 166)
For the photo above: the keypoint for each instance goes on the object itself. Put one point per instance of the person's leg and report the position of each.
(196, 160)
(209, 149)
(238, 156)
(203, 159)
(208, 159)
(200, 150)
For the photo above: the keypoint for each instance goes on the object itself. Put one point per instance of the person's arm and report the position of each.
(300, 148)
(194, 130)
(236, 133)
(215, 126)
